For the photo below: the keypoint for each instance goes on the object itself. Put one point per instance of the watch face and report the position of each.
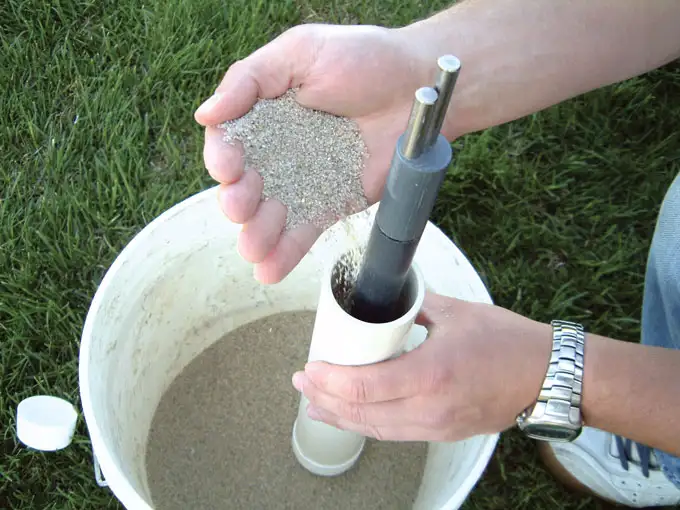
(552, 433)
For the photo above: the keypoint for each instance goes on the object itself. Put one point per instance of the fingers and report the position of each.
(224, 161)
(291, 247)
(239, 201)
(380, 432)
(236, 94)
(262, 231)
(388, 380)
(392, 412)
(263, 240)
(423, 417)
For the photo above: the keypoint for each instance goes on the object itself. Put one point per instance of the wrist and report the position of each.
(537, 349)
(630, 389)
(606, 378)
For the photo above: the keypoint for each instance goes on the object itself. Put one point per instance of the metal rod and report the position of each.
(419, 122)
(449, 68)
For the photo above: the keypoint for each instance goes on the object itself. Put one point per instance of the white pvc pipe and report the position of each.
(341, 339)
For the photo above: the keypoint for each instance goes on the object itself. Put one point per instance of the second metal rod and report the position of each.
(449, 68)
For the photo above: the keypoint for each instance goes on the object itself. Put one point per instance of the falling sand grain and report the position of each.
(309, 160)
(221, 436)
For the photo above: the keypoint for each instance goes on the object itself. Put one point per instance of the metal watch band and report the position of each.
(560, 396)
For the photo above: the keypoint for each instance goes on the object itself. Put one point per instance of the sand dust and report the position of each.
(308, 159)
(221, 436)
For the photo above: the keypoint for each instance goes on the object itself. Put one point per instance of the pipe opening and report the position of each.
(344, 276)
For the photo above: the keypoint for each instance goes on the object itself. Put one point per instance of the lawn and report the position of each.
(97, 138)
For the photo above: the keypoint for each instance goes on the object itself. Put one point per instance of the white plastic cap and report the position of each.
(46, 423)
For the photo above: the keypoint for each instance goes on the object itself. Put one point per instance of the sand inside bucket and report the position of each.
(221, 436)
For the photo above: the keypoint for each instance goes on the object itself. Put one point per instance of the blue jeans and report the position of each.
(661, 302)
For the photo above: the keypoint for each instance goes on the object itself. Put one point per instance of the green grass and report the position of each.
(97, 138)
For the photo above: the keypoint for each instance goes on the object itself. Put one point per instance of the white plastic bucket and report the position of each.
(179, 286)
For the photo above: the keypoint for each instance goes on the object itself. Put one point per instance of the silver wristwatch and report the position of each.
(556, 415)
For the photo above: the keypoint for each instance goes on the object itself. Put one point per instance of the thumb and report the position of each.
(266, 73)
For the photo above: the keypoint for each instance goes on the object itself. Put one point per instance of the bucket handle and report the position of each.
(98, 475)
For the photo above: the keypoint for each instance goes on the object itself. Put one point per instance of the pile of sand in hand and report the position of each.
(309, 160)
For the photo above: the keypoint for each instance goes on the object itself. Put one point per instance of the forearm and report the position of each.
(520, 56)
(633, 390)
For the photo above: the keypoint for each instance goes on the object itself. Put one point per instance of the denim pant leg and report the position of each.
(661, 305)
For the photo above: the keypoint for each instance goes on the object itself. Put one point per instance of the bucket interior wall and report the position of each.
(178, 287)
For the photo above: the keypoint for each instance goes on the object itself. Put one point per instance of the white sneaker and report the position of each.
(632, 478)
